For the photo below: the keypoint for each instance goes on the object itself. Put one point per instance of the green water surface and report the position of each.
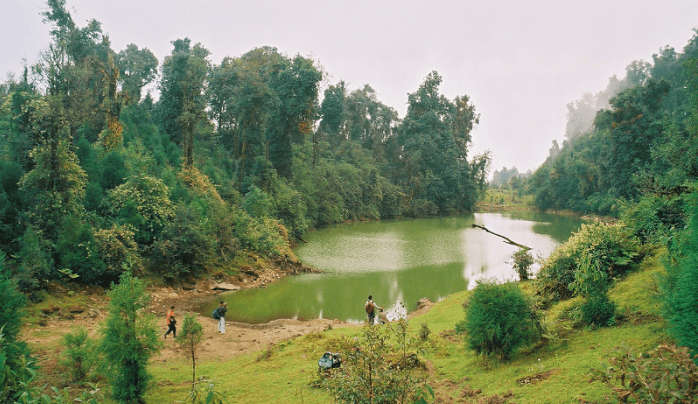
(397, 261)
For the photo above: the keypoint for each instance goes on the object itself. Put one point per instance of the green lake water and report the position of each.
(397, 261)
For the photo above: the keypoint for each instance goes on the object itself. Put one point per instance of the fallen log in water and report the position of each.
(506, 239)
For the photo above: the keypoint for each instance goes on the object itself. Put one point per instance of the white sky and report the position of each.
(520, 62)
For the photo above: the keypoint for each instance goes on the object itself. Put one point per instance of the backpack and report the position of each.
(369, 308)
(215, 314)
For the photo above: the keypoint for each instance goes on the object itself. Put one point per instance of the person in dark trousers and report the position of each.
(371, 308)
(221, 310)
(171, 323)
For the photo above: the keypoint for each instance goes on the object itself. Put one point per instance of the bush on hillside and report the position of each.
(653, 218)
(118, 251)
(144, 203)
(664, 375)
(186, 246)
(607, 247)
(499, 320)
(378, 367)
(598, 311)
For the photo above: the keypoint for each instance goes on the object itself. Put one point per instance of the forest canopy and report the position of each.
(237, 158)
(636, 139)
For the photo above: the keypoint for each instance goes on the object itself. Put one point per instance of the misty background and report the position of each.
(521, 63)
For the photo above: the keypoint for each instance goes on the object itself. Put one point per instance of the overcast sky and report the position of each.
(521, 62)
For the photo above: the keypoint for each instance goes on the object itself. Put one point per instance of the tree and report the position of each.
(138, 68)
(434, 137)
(15, 362)
(129, 340)
(189, 339)
(182, 100)
(522, 262)
(56, 185)
(681, 285)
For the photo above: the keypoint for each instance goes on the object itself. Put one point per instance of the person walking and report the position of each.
(220, 312)
(171, 323)
(371, 308)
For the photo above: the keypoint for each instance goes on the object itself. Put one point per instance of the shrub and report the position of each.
(77, 251)
(79, 355)
(424, 332)
(258, 203)
(652, 218)
(118, 251)
(598, 311)
(499, 320)
(129, 340)
(144, 203)
(664, 375)
(522, 263)
(264, 236)
(607, 247)
(378, 367)
(186, 245)
(291, 209)
(679, 290)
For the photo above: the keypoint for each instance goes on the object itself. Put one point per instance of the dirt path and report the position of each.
(55, 321)
(45, 337)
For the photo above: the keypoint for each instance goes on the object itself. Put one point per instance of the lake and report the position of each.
(398, 261)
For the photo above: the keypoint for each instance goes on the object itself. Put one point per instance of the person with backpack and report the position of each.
(371, 308)
(219, 314)
(171, 323)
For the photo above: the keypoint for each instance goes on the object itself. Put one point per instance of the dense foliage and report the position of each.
(499, 319)
(587, 261)
(681, 286)
(240, 157)
(643, 143)
(15, 369)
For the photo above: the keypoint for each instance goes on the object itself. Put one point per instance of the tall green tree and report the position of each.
(55, 186)
(129, 340)
(434, 136)
(182, 101)
(137, 68)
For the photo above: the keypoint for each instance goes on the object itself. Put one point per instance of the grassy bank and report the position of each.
(555, 372)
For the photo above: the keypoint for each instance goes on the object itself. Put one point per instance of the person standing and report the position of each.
(221, 310)
(371, 308)
(171, 323)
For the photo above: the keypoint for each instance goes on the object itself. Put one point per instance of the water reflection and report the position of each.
(398, 261)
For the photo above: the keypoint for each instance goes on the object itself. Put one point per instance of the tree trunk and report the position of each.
(506, 239)
(193, 367)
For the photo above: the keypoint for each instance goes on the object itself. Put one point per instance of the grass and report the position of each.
(558, 372)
